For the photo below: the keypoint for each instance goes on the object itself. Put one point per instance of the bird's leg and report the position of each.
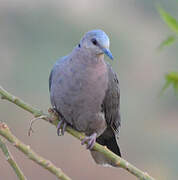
(61, 127)
(90, 140)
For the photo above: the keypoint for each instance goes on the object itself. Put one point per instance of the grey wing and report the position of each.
(111, 103)
(50, 79)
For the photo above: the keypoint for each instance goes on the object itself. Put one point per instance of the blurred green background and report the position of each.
(34, 34)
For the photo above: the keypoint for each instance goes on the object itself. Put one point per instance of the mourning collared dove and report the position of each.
(84, 91)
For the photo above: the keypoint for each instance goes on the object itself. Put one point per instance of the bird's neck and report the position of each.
(87, 57)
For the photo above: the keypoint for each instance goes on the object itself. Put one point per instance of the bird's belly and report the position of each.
(80, 99)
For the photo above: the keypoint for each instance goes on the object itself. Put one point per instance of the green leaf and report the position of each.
(166, 85)
(167, 42)
(169, 20)
(176, 88)
(171, 79)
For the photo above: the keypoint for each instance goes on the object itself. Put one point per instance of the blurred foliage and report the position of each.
(169, 20)
(172, 24)
(172, 77)
(168, 41)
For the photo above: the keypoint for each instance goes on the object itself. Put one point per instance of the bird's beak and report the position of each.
(107, 52)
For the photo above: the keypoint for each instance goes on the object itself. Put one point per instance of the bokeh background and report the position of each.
(34, 34)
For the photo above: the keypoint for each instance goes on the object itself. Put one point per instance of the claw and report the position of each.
(61, 127)
(64, 128)
(90, 140)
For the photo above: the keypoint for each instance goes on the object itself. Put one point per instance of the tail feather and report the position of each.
(107, 139)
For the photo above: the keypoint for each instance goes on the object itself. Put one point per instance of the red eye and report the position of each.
(94, 41)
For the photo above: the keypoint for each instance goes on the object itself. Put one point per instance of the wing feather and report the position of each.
(111, 103)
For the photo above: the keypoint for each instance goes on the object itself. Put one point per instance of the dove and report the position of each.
(85, 92)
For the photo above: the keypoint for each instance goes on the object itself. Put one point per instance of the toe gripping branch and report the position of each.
(90, 141)
(61, 127)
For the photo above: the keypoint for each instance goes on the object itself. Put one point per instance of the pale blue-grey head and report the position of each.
(97, 42)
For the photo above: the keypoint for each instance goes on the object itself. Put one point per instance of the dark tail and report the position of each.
(109, 140)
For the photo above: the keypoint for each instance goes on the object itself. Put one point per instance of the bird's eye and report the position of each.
(94, 41)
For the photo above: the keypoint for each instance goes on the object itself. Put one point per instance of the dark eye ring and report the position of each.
(94, 41)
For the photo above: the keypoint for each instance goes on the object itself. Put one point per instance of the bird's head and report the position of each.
(97, 42)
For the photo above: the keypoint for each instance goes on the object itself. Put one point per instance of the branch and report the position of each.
(6, 133)
(119, 162)
(11, 160)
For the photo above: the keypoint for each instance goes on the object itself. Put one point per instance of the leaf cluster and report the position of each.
(172, 77)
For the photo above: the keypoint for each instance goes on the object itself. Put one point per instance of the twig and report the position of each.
(11, 160)
(6, 133)
(31, 124)
(5, 95)
(119, 162)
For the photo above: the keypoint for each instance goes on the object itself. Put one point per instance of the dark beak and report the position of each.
(108, 53)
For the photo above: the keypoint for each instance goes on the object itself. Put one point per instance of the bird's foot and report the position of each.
(53, 114)
(90, 140)
(61, 127)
